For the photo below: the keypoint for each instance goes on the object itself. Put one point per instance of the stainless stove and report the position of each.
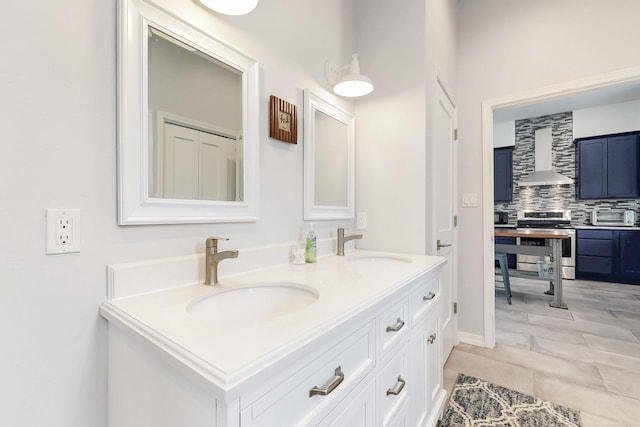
(544, 221)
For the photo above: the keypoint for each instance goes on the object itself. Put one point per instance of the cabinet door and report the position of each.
(628, 256)
(425, 363)
(503, 174)
(592, 169)
(357, 410)
(622, 167)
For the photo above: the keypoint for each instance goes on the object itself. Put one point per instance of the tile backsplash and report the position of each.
(547, 197)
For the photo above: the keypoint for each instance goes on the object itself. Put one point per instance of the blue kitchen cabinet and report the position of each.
(503, 174)
(608, 167)
(608, 255)
(627, 245)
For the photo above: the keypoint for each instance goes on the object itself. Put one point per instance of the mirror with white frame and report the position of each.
(329, 138)
(187, 123)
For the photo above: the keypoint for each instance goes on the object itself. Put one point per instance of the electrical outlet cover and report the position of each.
(63, 231)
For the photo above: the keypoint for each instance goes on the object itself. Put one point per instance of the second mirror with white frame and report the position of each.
(329, 141)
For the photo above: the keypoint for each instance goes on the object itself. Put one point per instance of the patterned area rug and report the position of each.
(477, 403)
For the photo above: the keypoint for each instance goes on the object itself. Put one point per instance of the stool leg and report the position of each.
(504, 269)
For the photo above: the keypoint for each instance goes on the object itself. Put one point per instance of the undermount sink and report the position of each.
(253, 302)
(377, 259)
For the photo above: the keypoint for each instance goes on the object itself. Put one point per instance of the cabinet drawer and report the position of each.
(291, 403)
(425, 296)
(595, 234)
(394, 325)
(595, 247)
(393, 389)
(593, 264)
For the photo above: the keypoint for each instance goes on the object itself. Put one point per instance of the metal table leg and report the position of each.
(557, 260)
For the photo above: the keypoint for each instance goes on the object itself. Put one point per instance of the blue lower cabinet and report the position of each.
(628, 256)
(608, 255)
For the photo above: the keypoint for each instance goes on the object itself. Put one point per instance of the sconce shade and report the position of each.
(231, 7)
(352, 84)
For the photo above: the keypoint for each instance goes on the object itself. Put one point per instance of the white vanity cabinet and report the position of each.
(379, 365)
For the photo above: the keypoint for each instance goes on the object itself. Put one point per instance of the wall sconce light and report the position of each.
(231, 7)
(351, 83)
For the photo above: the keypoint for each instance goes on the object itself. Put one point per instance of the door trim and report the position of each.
(548, 93)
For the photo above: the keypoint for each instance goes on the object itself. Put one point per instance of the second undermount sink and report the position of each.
(377, 259)
(253, 302)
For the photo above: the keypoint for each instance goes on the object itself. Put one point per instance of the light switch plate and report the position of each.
(63, 231)
(469, 200)
(361, 220)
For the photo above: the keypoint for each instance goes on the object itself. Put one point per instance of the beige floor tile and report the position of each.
(497, 372)
(513, 338)
(562, 335)
(593, 328)
(591, 400)
(621, 381)
(612, 345)
(572, 370)
(589, 420)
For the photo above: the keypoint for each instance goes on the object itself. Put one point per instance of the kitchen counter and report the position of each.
(602, 227)
(228, 354)
(533, 232)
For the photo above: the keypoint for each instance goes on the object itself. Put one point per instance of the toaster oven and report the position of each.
(613, 218)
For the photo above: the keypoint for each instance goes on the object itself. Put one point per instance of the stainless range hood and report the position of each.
(544, 174)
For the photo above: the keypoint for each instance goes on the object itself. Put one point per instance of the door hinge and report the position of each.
(455, 134)
(455, 308)
(455, 220)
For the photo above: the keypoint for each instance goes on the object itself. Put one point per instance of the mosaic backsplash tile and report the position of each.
(547, 197)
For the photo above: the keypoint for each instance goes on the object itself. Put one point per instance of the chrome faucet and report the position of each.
(212, 258)
(342, 240)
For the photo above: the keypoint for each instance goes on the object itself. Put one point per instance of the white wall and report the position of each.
(506, 47)
(504, 134)
(58, 106)
(403, 49)
(606, 119)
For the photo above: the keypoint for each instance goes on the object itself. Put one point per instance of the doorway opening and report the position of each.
(597, 90)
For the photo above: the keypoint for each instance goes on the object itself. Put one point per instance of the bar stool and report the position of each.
(501, 257)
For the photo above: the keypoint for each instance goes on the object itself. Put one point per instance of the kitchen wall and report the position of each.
(548, 197)
(507, 47)
(58, 85)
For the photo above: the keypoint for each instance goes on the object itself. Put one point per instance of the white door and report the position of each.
(445, 211)
(196, 164)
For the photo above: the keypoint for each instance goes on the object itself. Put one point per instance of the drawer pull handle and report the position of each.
(432, 338)
(397, 388)
(329, 386)
(395, 328)
(429, 297)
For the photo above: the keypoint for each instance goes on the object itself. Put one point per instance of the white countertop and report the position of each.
(229, 352)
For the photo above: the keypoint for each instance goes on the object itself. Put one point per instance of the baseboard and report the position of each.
(477, 340)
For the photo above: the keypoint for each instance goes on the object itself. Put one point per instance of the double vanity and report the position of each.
(350, 340)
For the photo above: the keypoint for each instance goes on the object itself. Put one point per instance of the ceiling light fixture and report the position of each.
(231, 7)
(351, 83)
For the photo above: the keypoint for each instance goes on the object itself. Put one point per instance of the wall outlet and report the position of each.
(361, 220)
(63, 231)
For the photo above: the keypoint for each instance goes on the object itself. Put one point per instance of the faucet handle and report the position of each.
(213, 241)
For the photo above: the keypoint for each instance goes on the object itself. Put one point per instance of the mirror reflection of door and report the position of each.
(187, 161)
(198, 165)
(331, 157)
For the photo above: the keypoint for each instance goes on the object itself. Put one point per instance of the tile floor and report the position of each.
(586, 358)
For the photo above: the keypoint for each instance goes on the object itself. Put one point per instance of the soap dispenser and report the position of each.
(311, 252)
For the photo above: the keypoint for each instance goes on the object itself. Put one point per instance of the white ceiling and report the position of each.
(597, 97)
